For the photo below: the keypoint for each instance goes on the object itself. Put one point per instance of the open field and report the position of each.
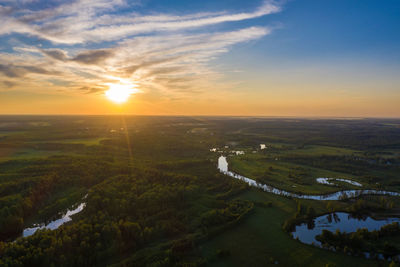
(288, 176)
(260, 241)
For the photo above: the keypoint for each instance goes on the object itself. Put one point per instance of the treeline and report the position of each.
(366, 206)
(368, 172)
(217, 220)
(358, 208)
(363, 241)
(357, 134)
(303, 214)
(345, 164)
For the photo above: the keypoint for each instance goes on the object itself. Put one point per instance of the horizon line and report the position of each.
(202, 115)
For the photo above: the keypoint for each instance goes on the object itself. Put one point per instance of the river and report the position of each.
(339, 195)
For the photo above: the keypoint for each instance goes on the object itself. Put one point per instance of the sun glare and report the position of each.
(119, 93)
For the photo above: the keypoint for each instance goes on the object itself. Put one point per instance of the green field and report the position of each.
(260, 241)
(271, 169)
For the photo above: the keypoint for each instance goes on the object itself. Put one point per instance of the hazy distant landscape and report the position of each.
(152, 193)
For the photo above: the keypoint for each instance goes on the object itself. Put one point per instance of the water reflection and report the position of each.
(56, 223)
(340, 195)
(342, 221)
(327, 181)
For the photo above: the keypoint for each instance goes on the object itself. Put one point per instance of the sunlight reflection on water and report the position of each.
(344, 194)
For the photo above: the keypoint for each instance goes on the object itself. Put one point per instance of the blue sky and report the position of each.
(188, 51)
(312, 29)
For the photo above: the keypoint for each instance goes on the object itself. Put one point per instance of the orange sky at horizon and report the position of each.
(237, 104)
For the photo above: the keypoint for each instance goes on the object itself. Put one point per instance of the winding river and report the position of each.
(340, 195)
(306, 233)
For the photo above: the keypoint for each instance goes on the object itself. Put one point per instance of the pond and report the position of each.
(339, 195)
(342, 221)
(327, 181)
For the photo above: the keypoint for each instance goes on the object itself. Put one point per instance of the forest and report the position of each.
(154, 197)
(364, 240)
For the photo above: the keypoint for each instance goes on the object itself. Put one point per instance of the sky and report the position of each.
(337, 58)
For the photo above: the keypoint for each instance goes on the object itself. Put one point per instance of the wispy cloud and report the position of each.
(156, 51)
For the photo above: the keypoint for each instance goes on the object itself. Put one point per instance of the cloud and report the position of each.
(56, 54)
(9, 84)
(93, 56)
(113, 32)
(84, 21)
(9, 71)
(133, 68)
(85, 57)
(13, 71)
(167, 53)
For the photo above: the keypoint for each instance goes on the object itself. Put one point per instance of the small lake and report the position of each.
(339, 220)
(339, 195)
(56, 223)
(327, 181)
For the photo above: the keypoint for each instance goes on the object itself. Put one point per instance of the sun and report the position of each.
(119, 93)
